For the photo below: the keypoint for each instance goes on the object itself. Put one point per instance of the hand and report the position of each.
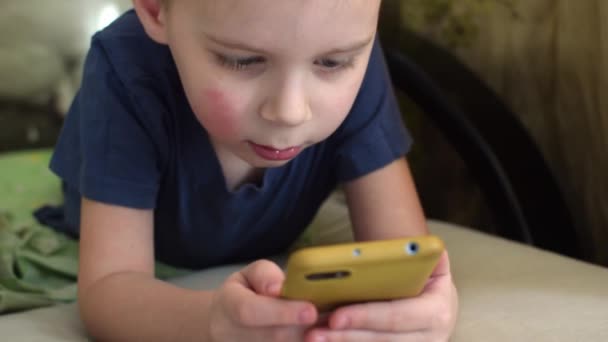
(247, 308)
(429, 317)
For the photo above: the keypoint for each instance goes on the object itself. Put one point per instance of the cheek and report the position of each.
(217, 114)
(341, 103)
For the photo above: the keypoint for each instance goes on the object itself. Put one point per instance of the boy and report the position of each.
(209, 132)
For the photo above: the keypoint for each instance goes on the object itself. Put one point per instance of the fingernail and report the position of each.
(306, 316)
(342, 322)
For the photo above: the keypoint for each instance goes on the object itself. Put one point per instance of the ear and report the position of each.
(153, 17)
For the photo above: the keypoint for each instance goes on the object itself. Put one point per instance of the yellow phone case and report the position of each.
(334, 275)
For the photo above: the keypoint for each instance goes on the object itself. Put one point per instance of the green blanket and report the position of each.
(38, 266)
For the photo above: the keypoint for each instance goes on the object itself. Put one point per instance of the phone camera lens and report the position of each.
(357, 252)
(411, 248)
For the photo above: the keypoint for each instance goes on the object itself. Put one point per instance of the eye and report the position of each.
(334, 64)
(239, 63)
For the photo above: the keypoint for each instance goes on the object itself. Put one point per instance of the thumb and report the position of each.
(264, 277)
(443, 266)
(441, 276)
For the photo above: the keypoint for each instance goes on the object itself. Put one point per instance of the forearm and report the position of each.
(136, 307)
(384, 204)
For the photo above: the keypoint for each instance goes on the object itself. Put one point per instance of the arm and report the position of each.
(118, 294)
(384, 204)
(120, 300)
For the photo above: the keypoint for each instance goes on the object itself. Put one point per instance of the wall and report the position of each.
(549, 60)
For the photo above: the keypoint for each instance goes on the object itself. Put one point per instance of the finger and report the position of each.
(326, 335)
(441, 276)
(264, 277)
(433, 309)
(276, 334)
(394, 316)
(291, 333)
(253, 310)
(443, 266)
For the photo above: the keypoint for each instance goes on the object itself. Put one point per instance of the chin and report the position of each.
(265, 164)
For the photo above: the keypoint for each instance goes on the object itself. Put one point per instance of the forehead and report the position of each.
(293, 20)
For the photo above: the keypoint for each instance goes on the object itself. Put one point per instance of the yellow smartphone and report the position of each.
(334, 275)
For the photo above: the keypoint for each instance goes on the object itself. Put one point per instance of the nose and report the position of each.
(287, 105)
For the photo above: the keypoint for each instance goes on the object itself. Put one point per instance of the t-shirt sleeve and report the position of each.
(373, 134)
(109, 149)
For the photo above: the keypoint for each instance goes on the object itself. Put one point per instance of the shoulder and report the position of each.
(129, 51)
(376, 82)
(128, 76)
(373, 133)
(374, 99)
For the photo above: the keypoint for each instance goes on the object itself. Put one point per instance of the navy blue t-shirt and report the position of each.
(131, 139)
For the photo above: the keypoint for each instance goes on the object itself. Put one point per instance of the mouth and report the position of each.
(275, 154)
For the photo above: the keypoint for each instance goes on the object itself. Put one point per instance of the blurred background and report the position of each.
(546, 61)
(42, 49)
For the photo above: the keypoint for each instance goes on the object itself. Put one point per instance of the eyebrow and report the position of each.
(356, 46)
(241, 46)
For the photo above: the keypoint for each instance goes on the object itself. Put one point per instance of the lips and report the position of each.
(274, 154)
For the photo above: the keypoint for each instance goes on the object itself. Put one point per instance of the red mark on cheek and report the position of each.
(217, 114)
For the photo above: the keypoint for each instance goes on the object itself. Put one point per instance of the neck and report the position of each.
(236, 171)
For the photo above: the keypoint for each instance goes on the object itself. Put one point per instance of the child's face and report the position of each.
(268, 78)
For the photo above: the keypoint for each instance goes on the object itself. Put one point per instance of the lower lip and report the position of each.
(270, 153)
